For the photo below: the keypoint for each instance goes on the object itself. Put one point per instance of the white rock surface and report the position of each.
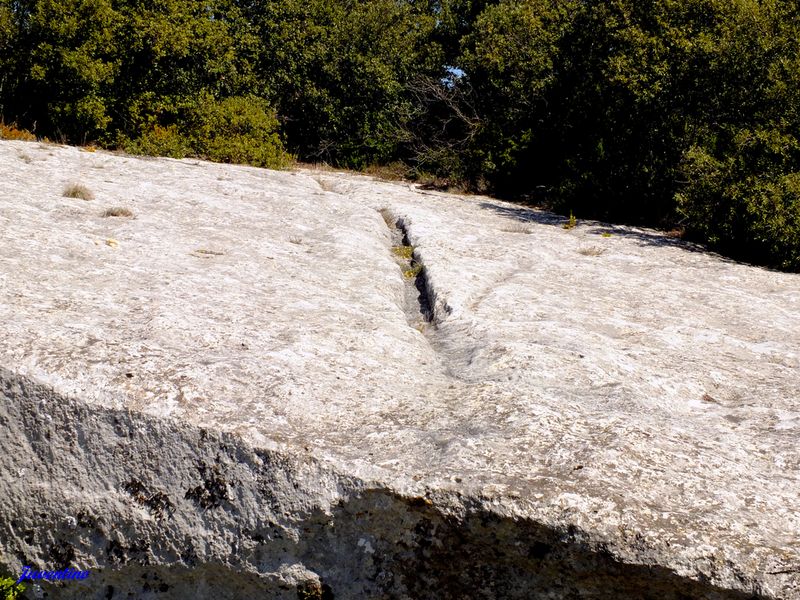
(233, 393)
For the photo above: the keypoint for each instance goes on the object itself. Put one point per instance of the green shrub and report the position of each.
(160, 141)
(10, 589)
(240, 129)
(746, 202)
(659, 112)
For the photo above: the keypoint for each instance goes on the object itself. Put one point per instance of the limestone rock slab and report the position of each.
(233, 392)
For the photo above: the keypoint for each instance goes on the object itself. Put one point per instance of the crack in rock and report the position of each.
(419, 304)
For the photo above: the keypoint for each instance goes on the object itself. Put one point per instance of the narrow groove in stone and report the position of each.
(412, 267)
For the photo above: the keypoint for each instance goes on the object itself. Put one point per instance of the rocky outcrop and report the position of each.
(314, 385)
(163, 510)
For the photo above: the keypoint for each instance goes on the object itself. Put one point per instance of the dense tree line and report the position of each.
(666, 112)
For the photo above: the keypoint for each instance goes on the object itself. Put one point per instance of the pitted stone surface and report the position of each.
(590, 409)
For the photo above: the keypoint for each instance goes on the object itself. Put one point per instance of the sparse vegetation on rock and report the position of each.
(79, 191)
(10, 589)
(118, 211)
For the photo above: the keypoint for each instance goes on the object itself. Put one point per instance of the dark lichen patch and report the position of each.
(118, 553)
(157, 503)
(62, 554)
(85, 520)
(212, 492)
(312, 589)
(115, 552)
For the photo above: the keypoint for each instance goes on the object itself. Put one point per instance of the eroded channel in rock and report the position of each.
(418, 295)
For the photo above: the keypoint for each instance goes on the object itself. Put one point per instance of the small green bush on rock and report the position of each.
(160, 141)
(10, 589)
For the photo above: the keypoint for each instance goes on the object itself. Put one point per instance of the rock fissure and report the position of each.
(419, 294)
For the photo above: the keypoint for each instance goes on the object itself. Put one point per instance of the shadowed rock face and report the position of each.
(235, 392)
(200, 514)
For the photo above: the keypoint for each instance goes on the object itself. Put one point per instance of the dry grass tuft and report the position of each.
(76, 190)
(676, 234)
(118, 211)
(318, 166)
(396, 171)
(592, 251)
(10, 132)
(517, 229)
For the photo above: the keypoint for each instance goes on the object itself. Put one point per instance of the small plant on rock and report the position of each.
(405, 252)
(10, 589)
(118, 211)
(414, 271)
(76, 190)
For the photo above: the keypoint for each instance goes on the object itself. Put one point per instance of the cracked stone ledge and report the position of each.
(157, 509)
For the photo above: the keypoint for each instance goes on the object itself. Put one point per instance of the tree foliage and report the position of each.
(663, 112)
(339, 73)
(175, 77)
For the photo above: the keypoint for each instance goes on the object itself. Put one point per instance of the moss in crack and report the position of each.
(404, 252)
(413, 271)
(120, 554)
(411, 267)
